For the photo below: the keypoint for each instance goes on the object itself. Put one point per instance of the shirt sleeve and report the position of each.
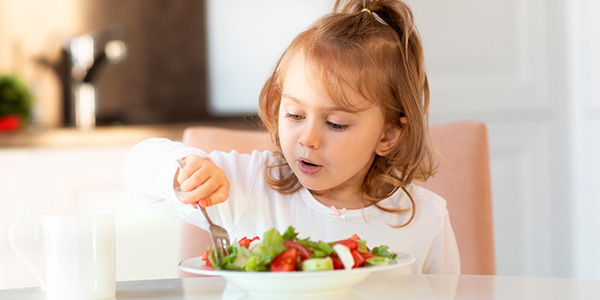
(443, 257)
(148, 172)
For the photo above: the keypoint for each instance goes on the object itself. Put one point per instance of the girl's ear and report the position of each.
(389, 137)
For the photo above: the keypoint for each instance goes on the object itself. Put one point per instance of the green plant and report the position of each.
(15, 97)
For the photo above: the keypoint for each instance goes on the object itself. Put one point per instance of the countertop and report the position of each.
(109, 135)
(376, 286)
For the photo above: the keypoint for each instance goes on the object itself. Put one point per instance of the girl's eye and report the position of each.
(337, 127)
(294, 117)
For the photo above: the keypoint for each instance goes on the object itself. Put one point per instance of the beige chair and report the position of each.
(463, 179)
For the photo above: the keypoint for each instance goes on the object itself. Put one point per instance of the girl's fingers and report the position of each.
(203, 174)
(192, 164)
(196, 175)
(203, 183)
(183, 173)
(211, 192)
(220, 195)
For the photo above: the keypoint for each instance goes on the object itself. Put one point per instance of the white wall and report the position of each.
(244, 41)
(529, 70)
(583, 46)
(500, 62)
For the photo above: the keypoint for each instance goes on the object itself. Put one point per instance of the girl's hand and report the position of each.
(202, 182)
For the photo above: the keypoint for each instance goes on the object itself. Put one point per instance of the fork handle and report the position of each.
(181, 165)
(205, 214)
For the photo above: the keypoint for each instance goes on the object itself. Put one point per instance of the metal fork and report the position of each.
(218, 234)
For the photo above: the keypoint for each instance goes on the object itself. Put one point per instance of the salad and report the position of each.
(285, 252)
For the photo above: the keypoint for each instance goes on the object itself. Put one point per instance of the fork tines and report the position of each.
(220, 241)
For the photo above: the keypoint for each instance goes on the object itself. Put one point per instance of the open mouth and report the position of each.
(308, 167)
(309, 164)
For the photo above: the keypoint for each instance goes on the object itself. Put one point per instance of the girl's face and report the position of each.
(328, 148)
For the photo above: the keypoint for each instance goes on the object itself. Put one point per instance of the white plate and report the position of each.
(318, 283)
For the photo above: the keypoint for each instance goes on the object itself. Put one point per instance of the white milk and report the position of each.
(79, 254)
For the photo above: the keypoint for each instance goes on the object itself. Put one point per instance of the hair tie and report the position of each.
(374, 14)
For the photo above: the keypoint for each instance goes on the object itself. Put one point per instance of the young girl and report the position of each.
(347, 106)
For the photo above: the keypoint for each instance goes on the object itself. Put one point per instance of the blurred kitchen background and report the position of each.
(529, 69)
(164, 63)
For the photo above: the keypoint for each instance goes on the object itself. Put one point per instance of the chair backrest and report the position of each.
(462, 178)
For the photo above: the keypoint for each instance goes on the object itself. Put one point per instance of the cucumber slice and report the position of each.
(255, 246)
(362, 246)
(378, 261)
(317, 264)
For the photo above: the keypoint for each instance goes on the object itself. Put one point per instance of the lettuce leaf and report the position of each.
(319, 248)
(290, 234)
(263, 254)
(383, 251)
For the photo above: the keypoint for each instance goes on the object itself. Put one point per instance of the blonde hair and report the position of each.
(364, 50)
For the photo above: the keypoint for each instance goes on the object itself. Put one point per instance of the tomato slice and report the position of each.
(367, 255)
(285, 262)
(245, 241)
(303, 252)
(337, 263)
(351, 244)
(354, 237)
(359, 260)
(205, 258)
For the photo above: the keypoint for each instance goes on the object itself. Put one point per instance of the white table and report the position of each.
(376, 286)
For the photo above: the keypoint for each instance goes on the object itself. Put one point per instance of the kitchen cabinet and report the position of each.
(65, 169)
(34, 180)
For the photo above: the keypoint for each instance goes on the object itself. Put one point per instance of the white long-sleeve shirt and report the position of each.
(253, 207)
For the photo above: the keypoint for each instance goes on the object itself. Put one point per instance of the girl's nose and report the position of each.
(310, 137)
